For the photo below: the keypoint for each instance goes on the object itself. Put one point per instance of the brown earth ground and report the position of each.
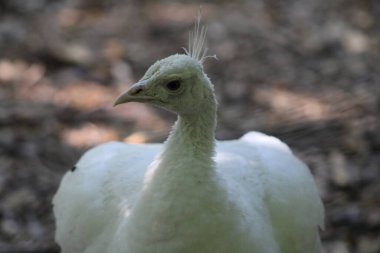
(307, 72)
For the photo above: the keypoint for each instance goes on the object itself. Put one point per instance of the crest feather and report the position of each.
(197, 37)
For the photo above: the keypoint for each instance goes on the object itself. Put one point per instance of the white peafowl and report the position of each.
(191, 194)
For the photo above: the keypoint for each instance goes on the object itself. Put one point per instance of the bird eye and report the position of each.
(173, 85)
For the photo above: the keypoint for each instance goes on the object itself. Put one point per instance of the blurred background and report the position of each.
(305, 71)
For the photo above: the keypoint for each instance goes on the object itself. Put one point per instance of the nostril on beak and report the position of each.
(136, 90)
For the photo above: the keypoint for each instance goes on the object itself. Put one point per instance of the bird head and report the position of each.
(176, 83)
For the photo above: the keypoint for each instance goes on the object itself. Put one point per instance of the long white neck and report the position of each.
(193, 137)
(189, 150)
(180, 179)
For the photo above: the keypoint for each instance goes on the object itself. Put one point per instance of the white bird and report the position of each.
(191, 194)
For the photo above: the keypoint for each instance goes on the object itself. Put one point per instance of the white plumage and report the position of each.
(190, 194)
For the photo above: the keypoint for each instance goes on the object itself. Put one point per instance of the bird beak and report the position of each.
(136, 93)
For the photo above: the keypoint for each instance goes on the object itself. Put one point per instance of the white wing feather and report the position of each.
(99, 193)
(292, 197)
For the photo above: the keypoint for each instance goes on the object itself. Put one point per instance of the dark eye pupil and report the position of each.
(173, 85)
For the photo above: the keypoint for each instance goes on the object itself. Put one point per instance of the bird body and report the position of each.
(192, 193)
(258, 199)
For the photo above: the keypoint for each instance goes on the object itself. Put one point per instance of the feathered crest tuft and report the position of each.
(197, 37)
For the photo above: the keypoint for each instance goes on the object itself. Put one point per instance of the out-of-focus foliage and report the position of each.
(305, 71)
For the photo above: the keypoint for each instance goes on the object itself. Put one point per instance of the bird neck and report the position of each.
(193, 135)
(179, 181)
